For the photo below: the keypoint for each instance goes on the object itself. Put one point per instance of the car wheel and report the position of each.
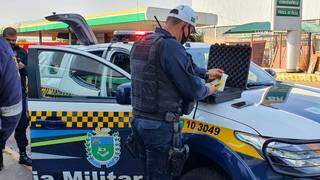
(204, 173)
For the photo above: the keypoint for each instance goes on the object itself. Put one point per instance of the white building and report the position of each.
(230, 12)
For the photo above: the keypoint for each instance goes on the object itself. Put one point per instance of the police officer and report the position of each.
(10, 34)
(165, 83)
(10, 95)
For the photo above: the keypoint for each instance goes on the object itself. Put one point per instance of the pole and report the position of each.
(280, 49)
(69, 36)
(215, 32)
(293, 50)
(40, 37)
(309, 49)
(252, 40)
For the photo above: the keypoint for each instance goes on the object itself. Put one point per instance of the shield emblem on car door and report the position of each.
(103, 148)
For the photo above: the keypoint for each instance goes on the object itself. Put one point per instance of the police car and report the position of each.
(78, 104)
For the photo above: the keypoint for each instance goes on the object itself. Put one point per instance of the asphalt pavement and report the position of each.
(12, 169)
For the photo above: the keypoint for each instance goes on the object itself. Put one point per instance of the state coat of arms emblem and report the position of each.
(103, 148)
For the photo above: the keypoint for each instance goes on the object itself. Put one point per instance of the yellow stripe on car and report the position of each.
(225, 135)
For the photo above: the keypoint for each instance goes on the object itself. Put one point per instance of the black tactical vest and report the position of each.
(152, 91)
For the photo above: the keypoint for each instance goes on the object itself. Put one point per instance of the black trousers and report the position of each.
(8, 124)
(157, 137)
(20, 133)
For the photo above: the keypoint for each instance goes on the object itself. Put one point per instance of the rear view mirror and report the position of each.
(124, 94)
(271, 72)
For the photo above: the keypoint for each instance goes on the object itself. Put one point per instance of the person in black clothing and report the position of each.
(10, 98)
(10, 34)
(165, 84)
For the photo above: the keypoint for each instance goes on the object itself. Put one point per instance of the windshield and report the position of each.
(256, 74)
(200, 56)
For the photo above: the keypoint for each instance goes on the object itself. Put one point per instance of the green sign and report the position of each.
(294, 3)
(288, 12)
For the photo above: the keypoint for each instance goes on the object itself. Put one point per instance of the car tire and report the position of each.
(203, 173)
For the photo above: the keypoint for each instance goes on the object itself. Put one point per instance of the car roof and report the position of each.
(129, 45)
(101, 46)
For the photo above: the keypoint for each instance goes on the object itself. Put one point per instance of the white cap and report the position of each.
(184, 13)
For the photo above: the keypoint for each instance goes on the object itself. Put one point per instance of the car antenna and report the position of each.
(155, 17)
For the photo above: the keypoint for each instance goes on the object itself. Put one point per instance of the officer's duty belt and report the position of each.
(168, 116)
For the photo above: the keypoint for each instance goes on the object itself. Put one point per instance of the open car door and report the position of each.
(79, 26)
(78, 130)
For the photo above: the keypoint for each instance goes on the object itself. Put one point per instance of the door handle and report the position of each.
(51, 123)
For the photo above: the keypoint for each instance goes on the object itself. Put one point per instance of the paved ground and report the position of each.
(13, 170)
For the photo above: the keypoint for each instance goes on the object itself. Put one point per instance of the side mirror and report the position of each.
(123, 94)
(271, 72)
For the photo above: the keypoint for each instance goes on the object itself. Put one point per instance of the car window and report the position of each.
(258, 75)
(121, 60)
(97, 52)
(86, 72)
(77, 76)
(51, 62)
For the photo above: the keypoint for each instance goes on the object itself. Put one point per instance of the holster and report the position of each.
(177, 159)
(188, 107)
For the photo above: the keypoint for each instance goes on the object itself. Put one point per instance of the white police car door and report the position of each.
(77, 128)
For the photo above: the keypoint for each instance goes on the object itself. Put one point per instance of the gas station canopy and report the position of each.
(135, 19)
(266, 26)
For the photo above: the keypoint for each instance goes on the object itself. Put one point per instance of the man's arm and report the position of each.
(179, 68)
(22, 54)
(203, 73)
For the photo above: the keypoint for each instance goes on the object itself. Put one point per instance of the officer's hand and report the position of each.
(212, 88)
(214, 74)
